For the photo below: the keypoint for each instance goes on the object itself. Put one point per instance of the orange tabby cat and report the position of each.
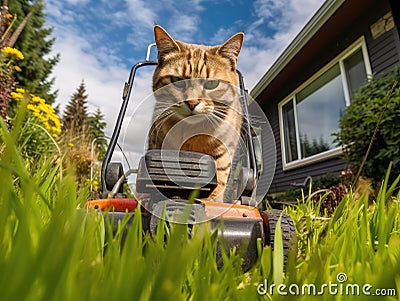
(201, 110)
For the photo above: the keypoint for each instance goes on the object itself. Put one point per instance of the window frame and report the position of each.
(339, 59)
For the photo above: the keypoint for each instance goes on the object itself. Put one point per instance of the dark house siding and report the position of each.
(383, 52)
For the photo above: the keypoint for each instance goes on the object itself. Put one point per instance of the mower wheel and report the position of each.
(113, 172)
(289, 238)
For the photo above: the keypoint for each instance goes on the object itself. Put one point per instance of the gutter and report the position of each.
(305, 35)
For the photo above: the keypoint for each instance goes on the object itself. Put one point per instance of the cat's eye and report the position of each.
(178, 81)
(211, 84)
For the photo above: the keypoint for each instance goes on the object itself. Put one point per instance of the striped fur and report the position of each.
(201, 110)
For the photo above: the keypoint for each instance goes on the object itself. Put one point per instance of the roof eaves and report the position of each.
(308, 31)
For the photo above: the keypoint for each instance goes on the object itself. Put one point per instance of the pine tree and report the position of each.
(75, 114)
(36, 43)
(96, 126)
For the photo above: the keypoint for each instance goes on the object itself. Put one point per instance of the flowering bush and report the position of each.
(12, 54)
(41, 126)
(8, 56)
(45, 113)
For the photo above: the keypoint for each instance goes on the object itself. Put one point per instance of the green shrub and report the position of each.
(360, 120)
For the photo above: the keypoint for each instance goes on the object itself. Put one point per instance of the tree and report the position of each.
(96, 126)
(83, 140)
(75, 140)
(36, 43)
(8, 36)
(360, 121)
(6, 86)
(75, 114)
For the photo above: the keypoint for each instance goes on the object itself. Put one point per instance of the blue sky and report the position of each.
(99, 40)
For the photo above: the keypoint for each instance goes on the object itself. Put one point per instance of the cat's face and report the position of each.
(195, 79)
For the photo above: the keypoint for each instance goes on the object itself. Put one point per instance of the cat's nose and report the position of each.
(192, 103)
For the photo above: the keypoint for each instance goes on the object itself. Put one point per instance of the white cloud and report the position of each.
(141, 12)
(180, 18)
(184, 27)
(56, 9)
(75, 2)
(104, 83)
(221, 35)
(268, 8)
(287, 18)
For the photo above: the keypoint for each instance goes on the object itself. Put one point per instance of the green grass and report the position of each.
(50, 250)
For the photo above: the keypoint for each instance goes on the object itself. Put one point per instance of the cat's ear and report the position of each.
(165, 43)
(231, 47)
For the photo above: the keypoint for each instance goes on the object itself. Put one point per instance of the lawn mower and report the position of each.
(168, 184)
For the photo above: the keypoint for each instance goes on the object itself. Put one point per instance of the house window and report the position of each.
(310, 116)
(356, 72)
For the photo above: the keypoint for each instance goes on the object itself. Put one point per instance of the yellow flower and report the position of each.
(32, 108)
(12, 52)
(95, 184)
(37, 99)
(17, 68)
(16, 96)
(9, 16)
(70, 144)
(41, 110)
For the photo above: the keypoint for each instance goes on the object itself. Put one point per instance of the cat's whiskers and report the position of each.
(163, 113)
(160, 120)
(221, 115)
(214, 123)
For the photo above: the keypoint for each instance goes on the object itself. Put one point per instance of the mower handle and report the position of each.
(149, 51)
(117, 129)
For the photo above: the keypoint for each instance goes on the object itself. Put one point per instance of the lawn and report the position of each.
(52, 249)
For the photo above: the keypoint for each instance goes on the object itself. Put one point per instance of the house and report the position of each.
(306, 90)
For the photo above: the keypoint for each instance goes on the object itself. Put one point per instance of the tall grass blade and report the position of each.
(278, 258)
